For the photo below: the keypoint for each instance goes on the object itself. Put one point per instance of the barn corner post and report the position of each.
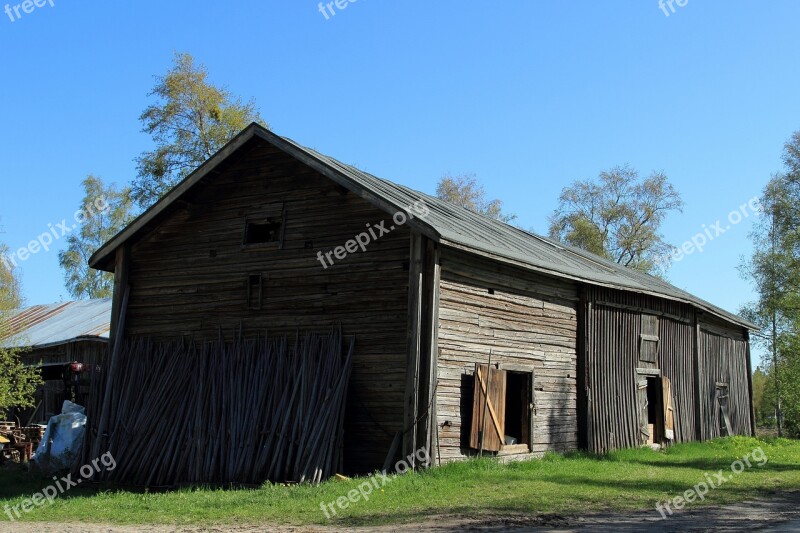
(750, 385)
(698, 377)
(420, 425)
(118, 311)
(582, 367)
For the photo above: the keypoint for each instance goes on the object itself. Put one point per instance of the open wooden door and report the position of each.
(488, 414)
(726, 428)
(644, 426)
(669, 412)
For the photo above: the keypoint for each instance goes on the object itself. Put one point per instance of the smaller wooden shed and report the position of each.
(52, 336)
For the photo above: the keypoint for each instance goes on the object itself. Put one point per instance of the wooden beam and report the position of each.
(411, 403)
(636, 309)
(699, 402)
(582, 377)
(432, 378)
(750, 386)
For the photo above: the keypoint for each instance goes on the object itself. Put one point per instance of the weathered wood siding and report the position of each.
(188, 277)
(529, 322)
(723, 359)
(612, 338)
(50, 395)
(613, 333)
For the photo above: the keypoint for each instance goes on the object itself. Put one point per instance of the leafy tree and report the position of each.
(619, 217)
(774, 269)
(191, 121)
(17, 382)
(10, 289)
(790, 377)
(762, 402)
(464, 190)
(105, 212)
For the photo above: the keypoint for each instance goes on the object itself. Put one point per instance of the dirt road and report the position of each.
(780, 513)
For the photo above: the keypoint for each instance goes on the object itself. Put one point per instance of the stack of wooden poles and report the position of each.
(225, 412)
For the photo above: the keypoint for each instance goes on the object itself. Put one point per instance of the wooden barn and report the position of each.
(52, 337)
(448, 309)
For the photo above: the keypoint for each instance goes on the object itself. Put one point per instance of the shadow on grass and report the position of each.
(17, 484)
(707, 465)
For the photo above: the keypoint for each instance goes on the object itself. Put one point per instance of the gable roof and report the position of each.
(447, 224)
(41, 326)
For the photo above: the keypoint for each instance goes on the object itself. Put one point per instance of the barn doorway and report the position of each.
(656, 412)
(518, 409)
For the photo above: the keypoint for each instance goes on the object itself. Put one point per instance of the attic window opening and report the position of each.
(263, 232)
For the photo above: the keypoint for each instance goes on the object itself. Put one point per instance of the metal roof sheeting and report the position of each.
(465, 229)
(448, 224)
(46, 325)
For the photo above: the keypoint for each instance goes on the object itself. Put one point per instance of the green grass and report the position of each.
(576, 483)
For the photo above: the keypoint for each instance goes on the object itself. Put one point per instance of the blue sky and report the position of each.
(529, 95)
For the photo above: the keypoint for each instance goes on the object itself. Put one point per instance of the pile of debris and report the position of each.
(238, 412)
(18, 444)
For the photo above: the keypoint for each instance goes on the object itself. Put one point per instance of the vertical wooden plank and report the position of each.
(669, 412)
(699, 376)
(644, 430)
(582, 353)
(121, 275)
(752, 409)
(433, 347)
(491, 381)
(411, 405)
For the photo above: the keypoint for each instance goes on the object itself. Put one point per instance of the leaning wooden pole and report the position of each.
(485, 400)
(104, 411)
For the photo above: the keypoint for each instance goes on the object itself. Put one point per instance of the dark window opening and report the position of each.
(254, 291)
(262, 232)
(518, 408)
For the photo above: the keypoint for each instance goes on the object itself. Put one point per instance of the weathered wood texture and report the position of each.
(49, 396)
(723, 360)
(529, 323)
(189, 277)
(614, 339)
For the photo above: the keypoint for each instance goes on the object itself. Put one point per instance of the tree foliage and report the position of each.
(189, 123)
(774, 270)
(10, 287)
(464, 190)
(763, 402)
(17, 382)
(618, 216)
(106, 211)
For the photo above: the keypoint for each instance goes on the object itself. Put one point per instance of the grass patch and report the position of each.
(563, 484)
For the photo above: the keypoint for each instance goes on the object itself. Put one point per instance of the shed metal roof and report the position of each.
(447, 224)
(41, 326)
